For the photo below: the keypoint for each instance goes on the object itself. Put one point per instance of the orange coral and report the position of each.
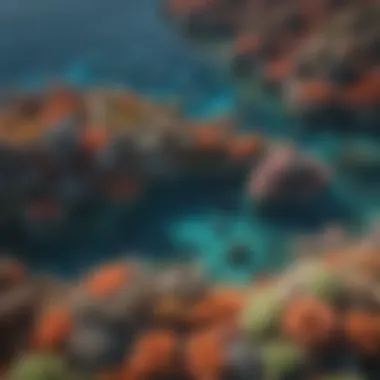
(169, 309)
(207, 137)
(314, 91)
(60, 103)
(152, 354)
(107, 279)
(204, 354)
(362, 329)
(365, 92)
(275, 71)
(243, 146)
(308, 321)
(219, 307)
(51, 329)
(92, 139)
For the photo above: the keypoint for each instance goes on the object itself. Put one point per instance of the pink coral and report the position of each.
(286, 174)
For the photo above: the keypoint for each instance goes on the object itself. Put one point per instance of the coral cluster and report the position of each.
(69, 148)
(285, 175)
(63, 147)
(319, 316)
(318, 319)
(124, 321)
(321, 56)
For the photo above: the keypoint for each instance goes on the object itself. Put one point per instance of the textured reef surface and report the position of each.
(321, 58)
(318, 319)
(146, 242)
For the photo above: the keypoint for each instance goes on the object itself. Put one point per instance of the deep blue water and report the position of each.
(113, 42)
(126, 43)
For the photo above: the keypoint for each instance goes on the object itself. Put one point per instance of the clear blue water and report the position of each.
(126, 43)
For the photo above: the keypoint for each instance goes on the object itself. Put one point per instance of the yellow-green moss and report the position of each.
(282, 359)
(42, 367)
(259, 319)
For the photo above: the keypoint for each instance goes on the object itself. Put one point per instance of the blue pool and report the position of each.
(126, 43)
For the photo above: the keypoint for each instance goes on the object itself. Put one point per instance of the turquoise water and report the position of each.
(126, 43)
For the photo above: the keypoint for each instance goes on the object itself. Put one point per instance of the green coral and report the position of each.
(260, 317)
(281, 360)
(42, 367)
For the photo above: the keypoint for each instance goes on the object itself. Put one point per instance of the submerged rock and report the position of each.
(243, 361)
(183, 282)
(287, 175)
(95, 346)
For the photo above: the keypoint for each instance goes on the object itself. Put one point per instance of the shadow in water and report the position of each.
(105, 231)
(309, 215)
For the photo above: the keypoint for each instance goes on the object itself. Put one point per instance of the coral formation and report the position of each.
(287, 175)
(143, 322)
(69, 147)
(321, 57)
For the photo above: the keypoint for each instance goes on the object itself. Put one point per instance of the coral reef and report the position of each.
(287, 175)
(316, 319)
(320, 57)
(63, 147)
